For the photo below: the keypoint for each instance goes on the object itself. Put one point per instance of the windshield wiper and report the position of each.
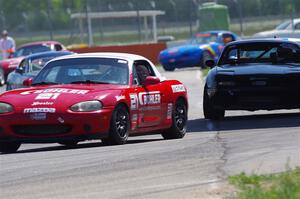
(88, 82)
(44, 83)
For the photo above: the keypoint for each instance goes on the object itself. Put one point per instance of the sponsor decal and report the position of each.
(149, 98)
(56, 90)
(178, 88)
(39, 110)
(44, 96)
(42, 104)
(150, 108)
(133, 101)
(38, 116)
(118, 98)
(122, 61)
(61, 120)
(169, 111)
(134, 119)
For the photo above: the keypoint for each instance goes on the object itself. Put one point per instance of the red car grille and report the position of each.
(41, 129)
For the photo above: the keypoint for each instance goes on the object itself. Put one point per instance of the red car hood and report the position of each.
(60, 96)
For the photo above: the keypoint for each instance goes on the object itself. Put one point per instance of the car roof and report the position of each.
(267, 40)
(40, 43)
(113, 55)
(215, 32)
(48, 53)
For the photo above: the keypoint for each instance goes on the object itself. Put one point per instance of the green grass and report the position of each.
(205, 72)
(276, 186)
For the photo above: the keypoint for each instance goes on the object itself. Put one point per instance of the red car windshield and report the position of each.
(84, 71)
(27, 50)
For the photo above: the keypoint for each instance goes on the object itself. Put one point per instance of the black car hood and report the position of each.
(246, 69)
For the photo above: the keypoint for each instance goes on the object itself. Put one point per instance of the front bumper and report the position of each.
(253, 98)
(56, 127)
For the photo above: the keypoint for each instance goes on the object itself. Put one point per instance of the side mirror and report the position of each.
(151, 80)
(27, 82)
(20, 70)
(210, 63)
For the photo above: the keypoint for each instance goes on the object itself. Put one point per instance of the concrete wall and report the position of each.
(150, 51)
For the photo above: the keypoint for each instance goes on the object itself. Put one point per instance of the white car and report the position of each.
(289, 28)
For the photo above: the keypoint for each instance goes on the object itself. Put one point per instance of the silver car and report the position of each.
(289, 28)
(30, 66)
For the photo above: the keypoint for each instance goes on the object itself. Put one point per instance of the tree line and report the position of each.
(39, 15)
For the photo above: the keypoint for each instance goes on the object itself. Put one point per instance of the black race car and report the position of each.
(253, 75)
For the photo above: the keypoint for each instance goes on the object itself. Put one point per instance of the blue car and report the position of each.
(30, 66)
(202, 47)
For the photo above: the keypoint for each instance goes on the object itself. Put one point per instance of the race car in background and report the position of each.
(106, 96)
(8, 65)
(30, 66)
(289, 28)
(253, 75)
(202, 47)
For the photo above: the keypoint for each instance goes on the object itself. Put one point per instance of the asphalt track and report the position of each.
(150, 167)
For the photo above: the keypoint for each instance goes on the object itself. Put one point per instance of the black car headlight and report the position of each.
(5, 108)
(87, 106)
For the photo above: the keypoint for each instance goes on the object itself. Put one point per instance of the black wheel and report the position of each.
(209, 111)
(119, 126)
(179, 122)
(69, 143)
(169, 68)
(205, 56)
(2, 78)
(9, 147)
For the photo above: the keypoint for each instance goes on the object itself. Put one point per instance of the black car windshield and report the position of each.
(28, 50)
(84, 71)
(260, 52)
(203, 38)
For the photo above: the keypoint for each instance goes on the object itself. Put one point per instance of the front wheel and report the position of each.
(9, 147)
(205, 56)
(169, 68)
(179, 122)
(119, 127)
(208, 109)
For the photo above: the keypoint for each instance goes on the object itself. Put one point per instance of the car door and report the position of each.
(19, 75)
(150, 100)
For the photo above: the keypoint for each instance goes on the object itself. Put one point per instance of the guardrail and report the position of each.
(150, 51)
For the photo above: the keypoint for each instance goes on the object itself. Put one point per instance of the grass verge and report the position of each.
(205, 71)
(275, 186)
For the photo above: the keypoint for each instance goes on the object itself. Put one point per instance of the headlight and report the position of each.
(5, 108)
(87, 106)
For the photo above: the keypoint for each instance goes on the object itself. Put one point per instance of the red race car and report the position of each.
(8, 65)
(106, 96)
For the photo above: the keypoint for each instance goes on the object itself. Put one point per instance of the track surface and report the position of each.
(150, 167)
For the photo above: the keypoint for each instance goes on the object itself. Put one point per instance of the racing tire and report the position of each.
(208, 109)
(168, 68)
(119, 127)
(205, 56)
(69, 143)
(2, 78)
(179, 122)
(9, 147)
